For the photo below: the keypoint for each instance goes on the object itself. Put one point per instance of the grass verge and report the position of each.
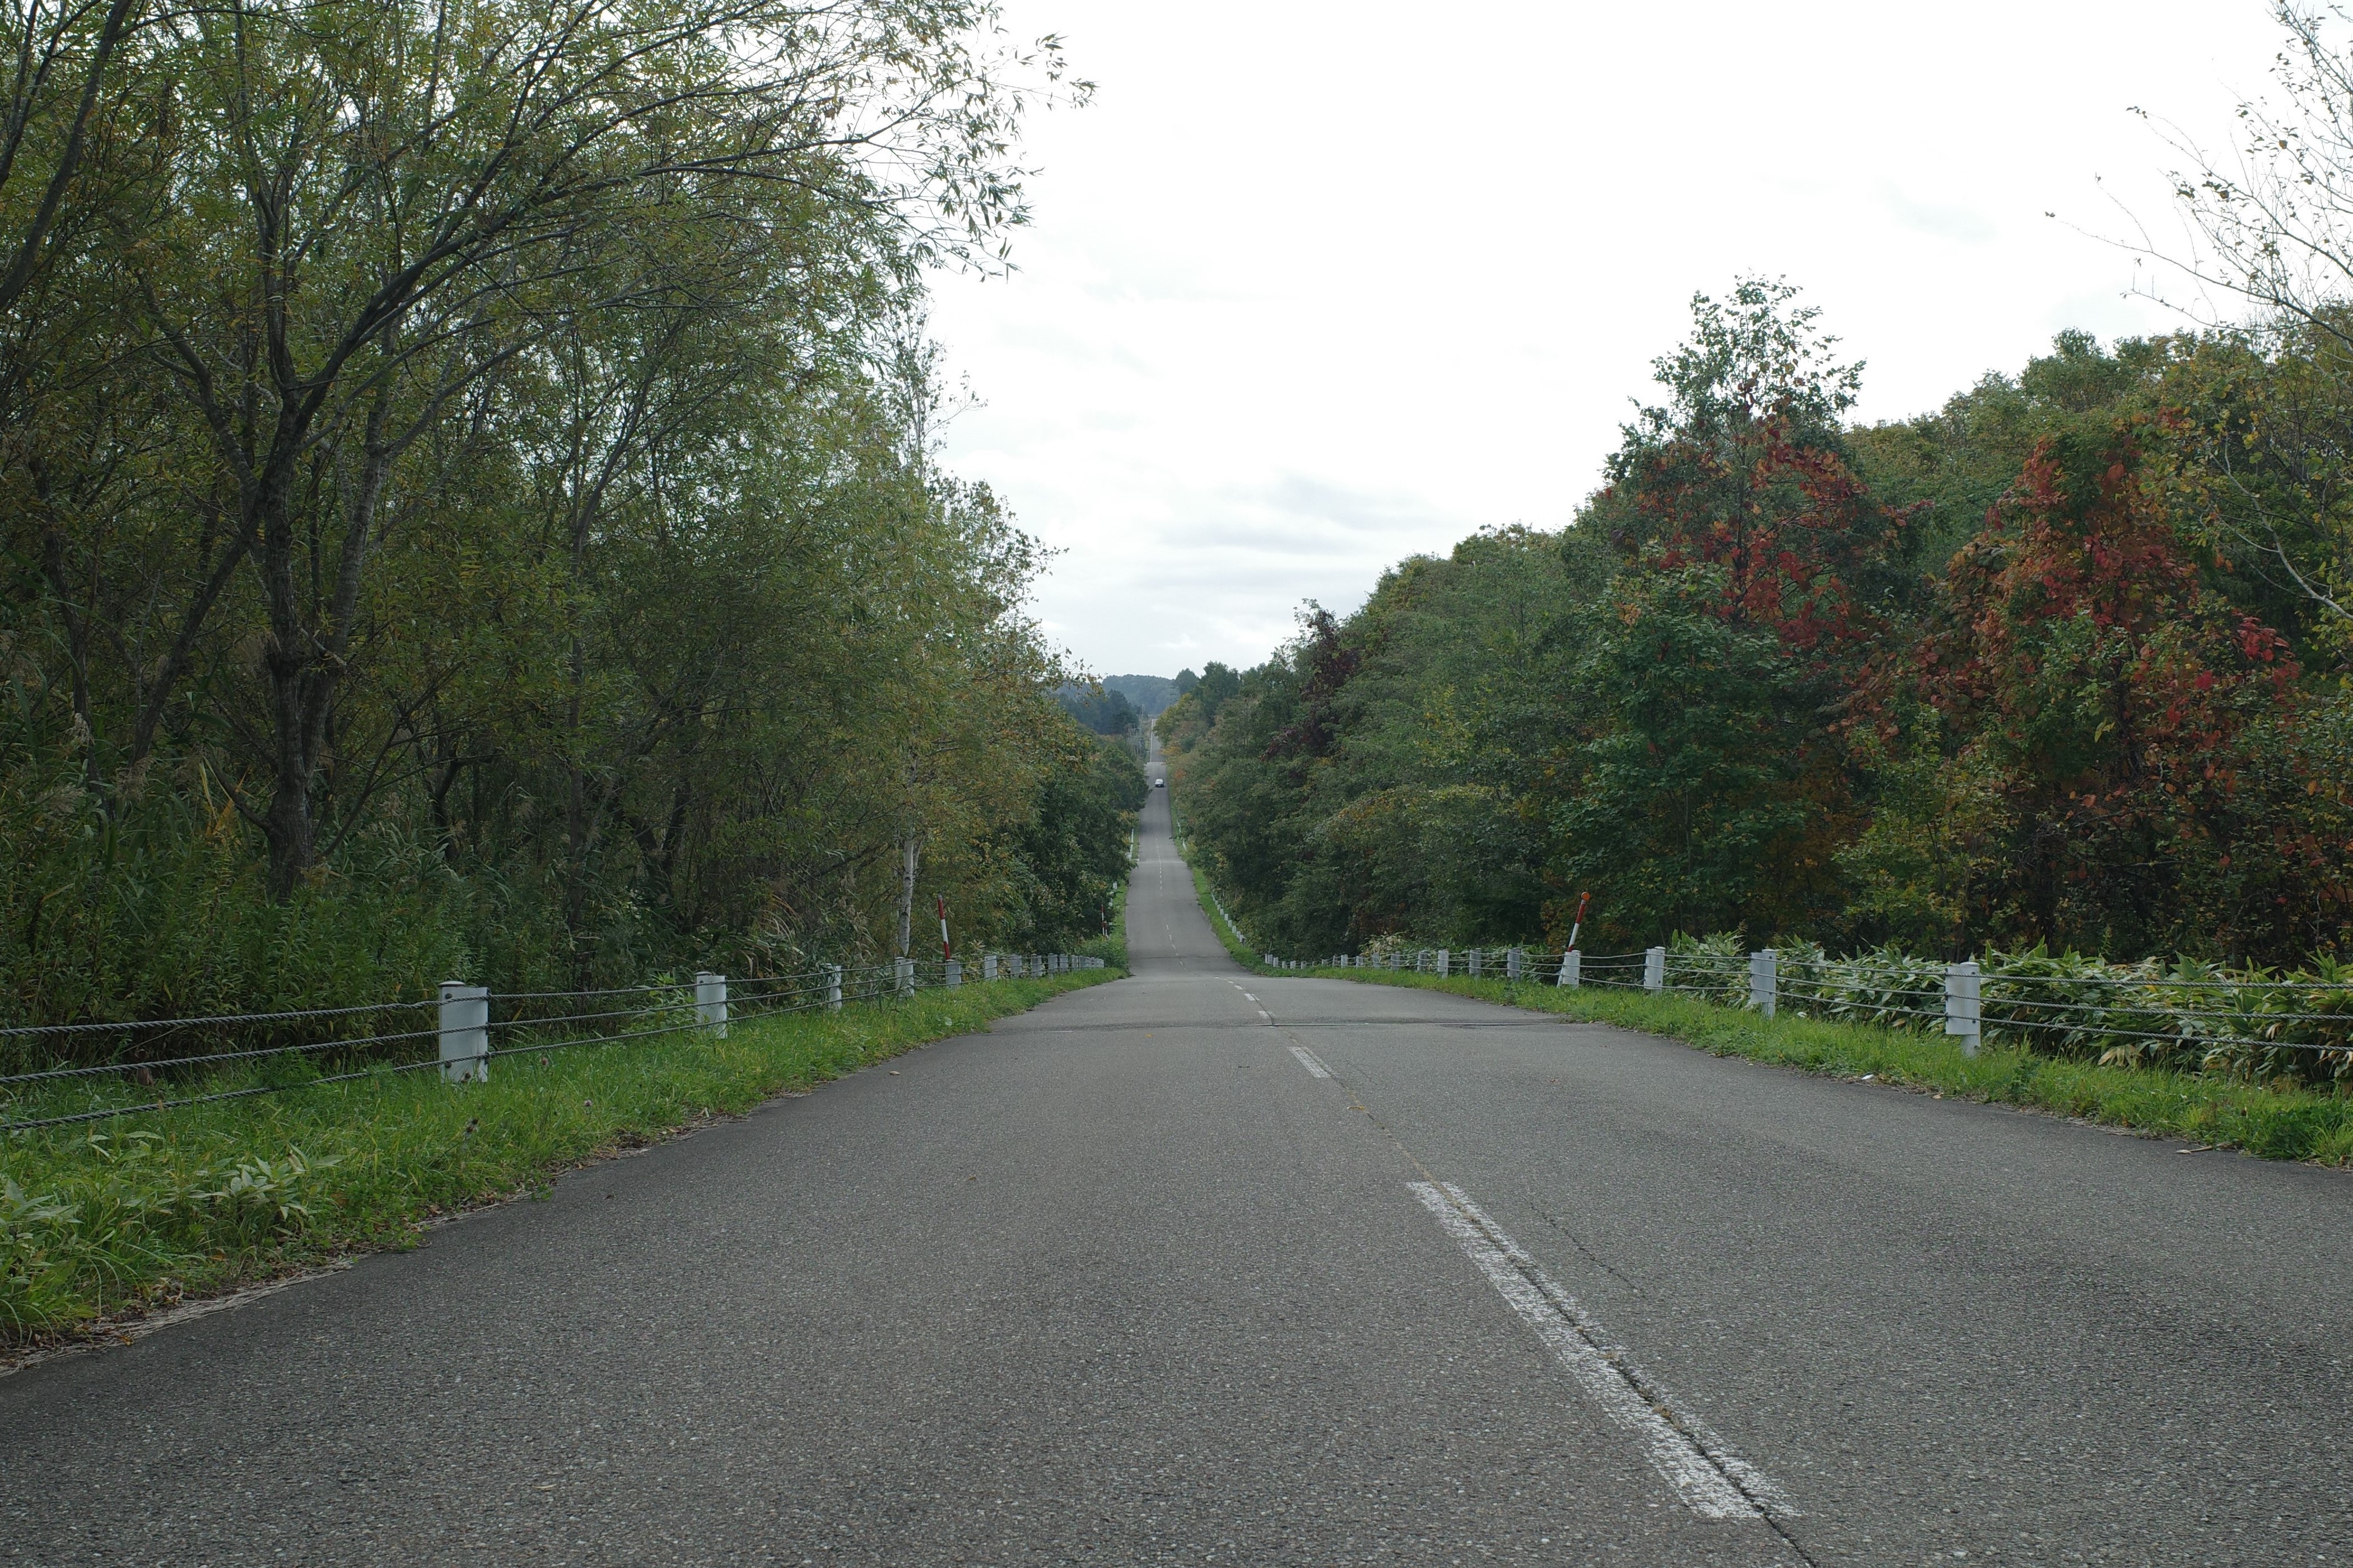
(100, 1224)
(2278, 1123)
(1221, 926)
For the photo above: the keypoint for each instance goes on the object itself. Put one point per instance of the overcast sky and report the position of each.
(1314, 287)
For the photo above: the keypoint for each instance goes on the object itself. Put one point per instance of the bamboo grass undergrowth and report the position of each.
(105, 1221)
(2278, 1122)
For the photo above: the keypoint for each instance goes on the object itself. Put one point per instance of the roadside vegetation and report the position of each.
(2003, 676)
(126, 1216)
(470, 507)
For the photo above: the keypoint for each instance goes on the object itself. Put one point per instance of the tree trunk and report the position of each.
(305, 663)
(911, 850)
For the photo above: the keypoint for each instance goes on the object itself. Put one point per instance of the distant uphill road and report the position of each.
(1199, 1267)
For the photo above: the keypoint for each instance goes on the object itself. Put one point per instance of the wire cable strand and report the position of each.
(21, 1029)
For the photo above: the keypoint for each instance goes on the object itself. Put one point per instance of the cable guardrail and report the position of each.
(465, 1032)
(2212, 1017)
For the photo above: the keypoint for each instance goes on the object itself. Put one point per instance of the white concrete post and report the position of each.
(833, 988)
(1572, 969)
(710, 1001)
(464, 1033)
(989, 966)
(1964, 1004)
(1443, 963)
(955, 973)
(1764, 980)
(1655, 969)
(1511, 963)
(904, 973)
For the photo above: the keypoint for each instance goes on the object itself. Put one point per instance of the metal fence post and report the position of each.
(833, 988)
(1572, 969)
(710, 1001)
(1764, 980)
(1964, 1004)
(1655, 969)
(464, 1033)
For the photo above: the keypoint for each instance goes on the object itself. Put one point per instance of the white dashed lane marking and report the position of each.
(1307, 1059)
(1711, 1481)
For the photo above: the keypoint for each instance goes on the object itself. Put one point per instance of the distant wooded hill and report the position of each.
(1103, 710)
(1150, 693)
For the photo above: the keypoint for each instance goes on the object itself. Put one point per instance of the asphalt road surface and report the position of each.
(1198, 1267)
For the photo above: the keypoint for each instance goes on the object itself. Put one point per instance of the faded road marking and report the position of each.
(1712, 1481)
(1307, 1059)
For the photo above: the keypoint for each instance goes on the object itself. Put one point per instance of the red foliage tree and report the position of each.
(2147, 736)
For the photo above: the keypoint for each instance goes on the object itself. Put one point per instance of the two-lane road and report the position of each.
(1199, 1267)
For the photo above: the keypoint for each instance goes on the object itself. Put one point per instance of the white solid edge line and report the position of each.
(1307, 1059)
(1711, 1481)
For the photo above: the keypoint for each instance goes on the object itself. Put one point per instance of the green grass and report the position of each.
(103, 1220)
(1218, 923)
(2279, 1122)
